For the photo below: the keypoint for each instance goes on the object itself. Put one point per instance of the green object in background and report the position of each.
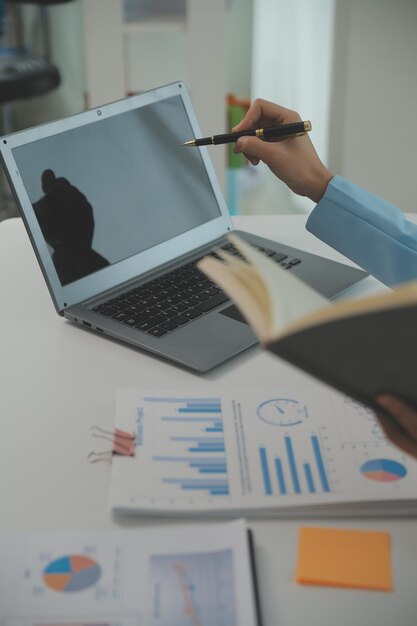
(235, 114)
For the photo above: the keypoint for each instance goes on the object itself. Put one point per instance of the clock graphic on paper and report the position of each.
(282, 412)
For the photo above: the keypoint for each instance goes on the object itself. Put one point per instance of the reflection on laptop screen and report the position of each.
(105, 191)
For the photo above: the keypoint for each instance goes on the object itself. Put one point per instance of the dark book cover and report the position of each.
(361, 355)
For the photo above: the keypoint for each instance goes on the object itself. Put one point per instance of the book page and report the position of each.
(164, 577)
(269, 296)
(402, 295)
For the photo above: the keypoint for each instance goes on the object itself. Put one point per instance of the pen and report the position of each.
(284, 130)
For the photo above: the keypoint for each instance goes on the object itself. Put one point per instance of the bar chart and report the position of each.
(189, 446)
(296, 469)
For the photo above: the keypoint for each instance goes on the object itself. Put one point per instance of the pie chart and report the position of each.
(383, 470)
(71, 573)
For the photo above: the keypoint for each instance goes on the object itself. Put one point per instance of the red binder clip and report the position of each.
(123, 443)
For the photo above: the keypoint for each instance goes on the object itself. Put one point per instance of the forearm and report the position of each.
(368, 230)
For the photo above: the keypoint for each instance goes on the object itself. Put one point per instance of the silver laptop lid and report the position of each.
(110, 194)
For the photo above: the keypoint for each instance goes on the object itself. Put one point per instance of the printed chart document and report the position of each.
(285, 450)
(188, 576)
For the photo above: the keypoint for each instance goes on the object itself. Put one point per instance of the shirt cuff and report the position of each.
(368, 230)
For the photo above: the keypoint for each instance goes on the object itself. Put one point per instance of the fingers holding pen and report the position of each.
(292, 159)
(249, 146)
(256, 149)
(262, 114)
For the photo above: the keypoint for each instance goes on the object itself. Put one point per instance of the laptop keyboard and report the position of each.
(174, 299)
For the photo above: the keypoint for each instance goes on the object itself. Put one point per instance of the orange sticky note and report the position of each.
(344, 558)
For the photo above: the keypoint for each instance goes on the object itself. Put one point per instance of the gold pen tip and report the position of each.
(189, 143)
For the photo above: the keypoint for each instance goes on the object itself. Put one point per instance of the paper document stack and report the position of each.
(165, 577)
(266, 452)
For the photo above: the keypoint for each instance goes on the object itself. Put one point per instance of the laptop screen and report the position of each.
(108, 190)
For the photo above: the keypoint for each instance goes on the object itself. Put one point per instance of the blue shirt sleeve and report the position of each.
(368, 230)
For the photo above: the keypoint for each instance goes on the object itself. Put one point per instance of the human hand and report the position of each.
(293, 160)
(402, 430)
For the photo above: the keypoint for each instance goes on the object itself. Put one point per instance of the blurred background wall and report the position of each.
(373, 134)
(348, 65)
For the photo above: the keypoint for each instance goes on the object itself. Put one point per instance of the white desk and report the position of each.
(57, 381)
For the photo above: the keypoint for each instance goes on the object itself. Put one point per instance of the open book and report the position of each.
(361, 347)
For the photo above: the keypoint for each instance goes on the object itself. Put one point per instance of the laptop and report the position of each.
(118, 212)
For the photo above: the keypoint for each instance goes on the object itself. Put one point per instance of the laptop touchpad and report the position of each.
(234, 313)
